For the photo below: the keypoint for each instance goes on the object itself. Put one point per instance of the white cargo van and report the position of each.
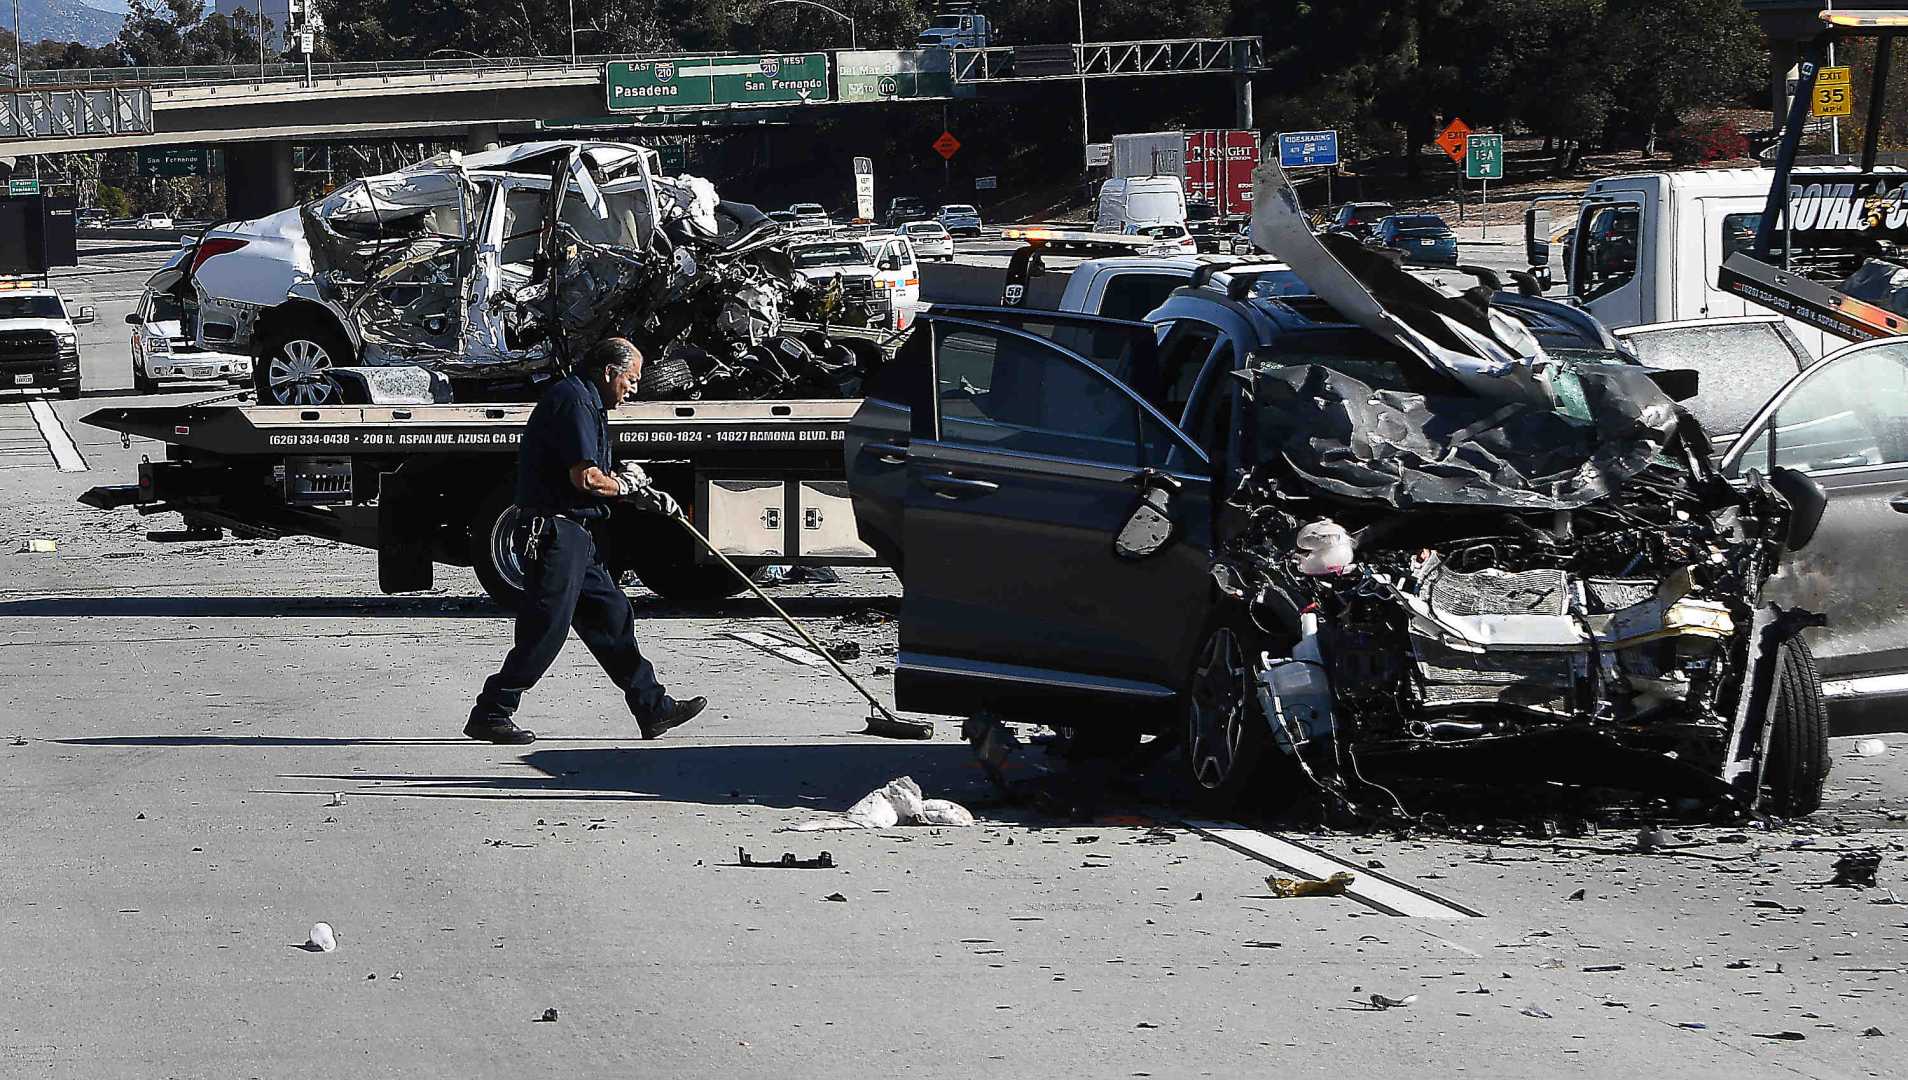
(1140, 200)
(1648, 246)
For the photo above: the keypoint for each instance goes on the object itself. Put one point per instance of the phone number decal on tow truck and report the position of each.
(696, 436)
(380, 440)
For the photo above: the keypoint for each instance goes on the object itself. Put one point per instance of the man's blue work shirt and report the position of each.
(568, 426)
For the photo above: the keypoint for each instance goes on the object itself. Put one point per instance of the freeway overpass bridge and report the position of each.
(258, 111)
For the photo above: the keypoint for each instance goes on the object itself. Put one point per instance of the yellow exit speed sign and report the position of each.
(1832, 97)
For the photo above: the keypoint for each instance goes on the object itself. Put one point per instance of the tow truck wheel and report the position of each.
(663, 554)
(294, 364)
(496, 547)
(1798, 765)
(1227, 739)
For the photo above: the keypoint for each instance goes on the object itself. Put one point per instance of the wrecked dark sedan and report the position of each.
(490, 271)
(1333, 544)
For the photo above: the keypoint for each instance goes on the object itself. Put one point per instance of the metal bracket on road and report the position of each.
(824, 861)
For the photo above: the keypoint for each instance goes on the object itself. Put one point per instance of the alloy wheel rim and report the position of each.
(299, 374)
(1217, 709)
(506, 548)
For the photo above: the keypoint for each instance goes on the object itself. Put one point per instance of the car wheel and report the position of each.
(293, 367)
(1798, 763)
(1227, 738)
(496, 547)
(142, 383)
(70, 392)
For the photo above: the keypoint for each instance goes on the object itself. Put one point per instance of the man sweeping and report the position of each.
(566, 482)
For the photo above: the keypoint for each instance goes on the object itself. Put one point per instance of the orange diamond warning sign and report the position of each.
(1451, 140)
(946, 145)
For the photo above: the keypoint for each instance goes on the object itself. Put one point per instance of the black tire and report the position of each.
(71, 392)
(663, 554)
(496, 547)
(1227, 743)
(291, 361)
(665, 377)
(1798, 765)
(143, 384)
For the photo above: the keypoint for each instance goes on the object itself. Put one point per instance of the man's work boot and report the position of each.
(498, 731)
(675, 714)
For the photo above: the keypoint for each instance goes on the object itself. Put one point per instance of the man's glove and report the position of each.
(635, 485)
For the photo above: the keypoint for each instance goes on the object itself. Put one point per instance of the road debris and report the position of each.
(549, 1017)
(1290, 888)
(1381, 1002)
(835, 897)
(824, 861)
(1536, 1011)
(39, 545)
(1870, 748)
(1872, 1033)
(1783, 1036)
(1857, 869)
(320, 939)
(898, 802)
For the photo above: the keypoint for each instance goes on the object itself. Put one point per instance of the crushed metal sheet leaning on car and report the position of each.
(1546, 580)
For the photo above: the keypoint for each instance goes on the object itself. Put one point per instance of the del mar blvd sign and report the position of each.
(642, 85)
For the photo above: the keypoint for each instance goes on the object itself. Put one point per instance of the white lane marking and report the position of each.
(1371, 889)
(779, 646)
(58, 442)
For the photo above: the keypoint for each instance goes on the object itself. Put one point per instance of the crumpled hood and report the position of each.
(1339, 435)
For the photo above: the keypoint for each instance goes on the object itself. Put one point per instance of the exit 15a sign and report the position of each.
(1484, 157)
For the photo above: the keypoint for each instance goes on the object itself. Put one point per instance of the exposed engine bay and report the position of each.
(509, 273)
(1626, 621)
(1460, 570)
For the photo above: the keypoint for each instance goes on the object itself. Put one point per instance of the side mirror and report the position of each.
(1807, 502)
(1537, 236)
(132, 318)
(87, 313)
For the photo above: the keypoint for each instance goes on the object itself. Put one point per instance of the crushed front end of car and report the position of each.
(1467, 576)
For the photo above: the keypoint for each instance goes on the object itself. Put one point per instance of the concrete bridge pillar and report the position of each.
(258, 178)
(482, 137)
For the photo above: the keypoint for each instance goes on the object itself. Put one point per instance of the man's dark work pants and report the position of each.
(568, 585)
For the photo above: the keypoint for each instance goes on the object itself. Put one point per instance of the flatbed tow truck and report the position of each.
(423, 484)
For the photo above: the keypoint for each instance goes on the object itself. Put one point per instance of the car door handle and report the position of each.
(889, 453)
(1899, 504)
(948, 486)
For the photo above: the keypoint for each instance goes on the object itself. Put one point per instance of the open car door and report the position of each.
(1056, 524)
(1844, 421)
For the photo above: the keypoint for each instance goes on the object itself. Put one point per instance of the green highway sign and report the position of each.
(894, 75)
(175, 161)
(1484, 157)
(645, 85)
(675, 158)
(23, 187)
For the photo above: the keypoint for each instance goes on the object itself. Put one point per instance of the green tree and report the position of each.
(1667, 56)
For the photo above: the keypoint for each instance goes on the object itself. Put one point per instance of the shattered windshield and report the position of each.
(1738, 368)
(811, 256)
(401, 206)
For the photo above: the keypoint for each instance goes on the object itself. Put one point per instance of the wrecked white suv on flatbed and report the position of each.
(491, 270)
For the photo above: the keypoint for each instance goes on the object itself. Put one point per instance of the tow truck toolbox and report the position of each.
(422, 484)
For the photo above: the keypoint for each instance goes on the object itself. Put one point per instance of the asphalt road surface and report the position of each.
(207, 747)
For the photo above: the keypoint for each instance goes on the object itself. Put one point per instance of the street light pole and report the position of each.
(572, 33)
(1079, 10)
(854, 43)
